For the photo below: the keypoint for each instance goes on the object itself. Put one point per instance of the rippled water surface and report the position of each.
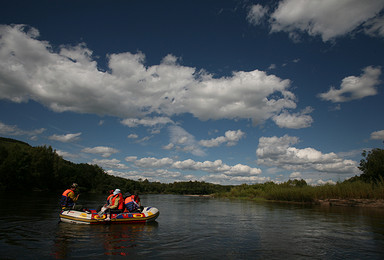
(193, 228)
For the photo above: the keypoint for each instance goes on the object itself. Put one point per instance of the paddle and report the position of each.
(102, 211)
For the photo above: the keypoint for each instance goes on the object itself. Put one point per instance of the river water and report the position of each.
(192, 228)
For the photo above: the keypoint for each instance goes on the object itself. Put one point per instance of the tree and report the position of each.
(372, 165)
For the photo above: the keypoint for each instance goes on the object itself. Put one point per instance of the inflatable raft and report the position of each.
(148, 214)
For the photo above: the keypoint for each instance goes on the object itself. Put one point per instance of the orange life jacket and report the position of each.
(109, 197)
(66, 201)
(130, 203)
(121, 202)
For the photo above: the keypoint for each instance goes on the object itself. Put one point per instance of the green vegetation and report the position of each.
(299, 191)
(23, 167)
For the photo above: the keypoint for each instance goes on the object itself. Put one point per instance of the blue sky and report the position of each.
(225, 92)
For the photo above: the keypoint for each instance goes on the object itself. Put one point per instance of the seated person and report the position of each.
(132, 203)
(116, 204)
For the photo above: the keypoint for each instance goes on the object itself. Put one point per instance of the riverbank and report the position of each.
(366, 203)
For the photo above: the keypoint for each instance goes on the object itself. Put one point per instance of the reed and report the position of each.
(306, 193)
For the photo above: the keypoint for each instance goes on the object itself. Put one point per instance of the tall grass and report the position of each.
(306, 193)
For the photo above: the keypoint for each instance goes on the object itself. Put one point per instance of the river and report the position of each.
(192, 228)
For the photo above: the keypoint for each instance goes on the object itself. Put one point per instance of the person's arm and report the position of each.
(72, 196)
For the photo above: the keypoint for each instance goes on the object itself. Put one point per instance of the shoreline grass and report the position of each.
(291, 192)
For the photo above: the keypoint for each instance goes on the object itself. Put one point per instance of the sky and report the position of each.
(227, 92)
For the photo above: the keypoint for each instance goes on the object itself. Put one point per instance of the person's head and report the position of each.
(74, 186)
(117, 191)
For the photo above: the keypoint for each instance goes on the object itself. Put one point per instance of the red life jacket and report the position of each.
(121, 202)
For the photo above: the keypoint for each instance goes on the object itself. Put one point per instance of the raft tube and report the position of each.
(148, 214)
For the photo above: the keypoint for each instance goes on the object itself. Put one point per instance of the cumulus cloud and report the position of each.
(378, 135)
(65, 138)
(294, 120)
(327, 18)
(169, 170)
(256, 14)
(353, 87)
(133, 136)
(190, 165)
(183, 141)
(69, 80)
(230, 137)
(375, 27)
(14, 130)
(279, 152)
(66, 154)
(102, 150)
(110, 163)
(134, 122)
(159, 175)
(295, 175)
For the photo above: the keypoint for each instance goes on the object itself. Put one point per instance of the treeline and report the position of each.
(23, 167)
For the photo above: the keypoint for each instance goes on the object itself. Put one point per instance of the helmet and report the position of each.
(117, 191)
(74, 185)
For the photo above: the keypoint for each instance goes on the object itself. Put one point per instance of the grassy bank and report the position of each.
(294, 192)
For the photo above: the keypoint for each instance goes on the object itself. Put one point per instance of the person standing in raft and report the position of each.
(68, 198)
(116, 205)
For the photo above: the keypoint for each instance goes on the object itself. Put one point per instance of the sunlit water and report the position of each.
(193, 228)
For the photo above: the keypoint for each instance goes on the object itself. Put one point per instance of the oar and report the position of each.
(101, 212)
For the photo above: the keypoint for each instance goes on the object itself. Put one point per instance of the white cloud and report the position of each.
(169, 146)
(69, 80)
(66, 154)
(327, 18)
(153, 162)
(131, 158)
(295, 175)
(378, 135)
(190, 165)
(183, 141)
(375, 27)
(279, 152)
(65, 138)
(256, 14)
(231, 138)
(134, 122)
(110, 163)
(160, 175)
(132, 136)
(355, 87)
(102, 150)
(14, 130)
(295, 120)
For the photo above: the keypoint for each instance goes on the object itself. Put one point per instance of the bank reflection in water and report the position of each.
(96, 240)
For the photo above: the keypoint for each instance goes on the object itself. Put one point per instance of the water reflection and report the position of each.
(120, 239)
(109, 239)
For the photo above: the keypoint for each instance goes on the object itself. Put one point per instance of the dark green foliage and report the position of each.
(372, 165)
(25, 168)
